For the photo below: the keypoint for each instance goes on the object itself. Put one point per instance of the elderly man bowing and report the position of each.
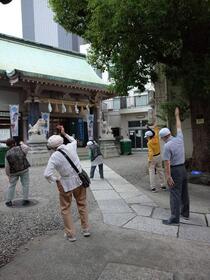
(176, 175)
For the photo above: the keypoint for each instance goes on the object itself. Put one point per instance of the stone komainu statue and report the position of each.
(105, 128)
(37, 128)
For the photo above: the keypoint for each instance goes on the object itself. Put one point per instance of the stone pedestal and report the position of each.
(38, 153)
(108, 148)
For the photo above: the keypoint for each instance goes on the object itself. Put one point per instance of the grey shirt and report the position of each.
(174, 149)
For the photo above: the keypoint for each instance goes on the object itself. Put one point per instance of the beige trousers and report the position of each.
(156, 164)
(65, 204)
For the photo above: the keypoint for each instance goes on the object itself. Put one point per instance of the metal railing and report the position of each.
(125, 102)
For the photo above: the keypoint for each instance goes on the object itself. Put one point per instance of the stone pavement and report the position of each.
(125, 206)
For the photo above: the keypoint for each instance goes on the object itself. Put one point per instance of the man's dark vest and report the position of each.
(17, 159)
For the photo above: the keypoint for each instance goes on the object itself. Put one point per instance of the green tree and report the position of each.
(130, 37)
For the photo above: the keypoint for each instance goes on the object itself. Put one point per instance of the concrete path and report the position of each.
(125, 206)
(128, 241)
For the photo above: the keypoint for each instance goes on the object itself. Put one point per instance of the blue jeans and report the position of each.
(24, 179)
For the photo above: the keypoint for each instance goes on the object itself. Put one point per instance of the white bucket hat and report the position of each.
(89, 143)
(148, 134)
(164, 132)
(54, 141)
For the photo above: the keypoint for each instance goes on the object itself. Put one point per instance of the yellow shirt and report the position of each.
(153, 144)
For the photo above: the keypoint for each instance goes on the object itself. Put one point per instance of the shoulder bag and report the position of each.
(82, 175)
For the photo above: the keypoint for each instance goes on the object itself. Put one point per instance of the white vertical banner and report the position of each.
(90, 122)
(14, 116)
(46, 127)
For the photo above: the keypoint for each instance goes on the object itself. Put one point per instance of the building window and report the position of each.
(141, 100)
(134, 124)
(116, 104)
(144, 122)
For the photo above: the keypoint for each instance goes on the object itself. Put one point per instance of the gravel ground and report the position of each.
(19, 225)
(132, 167)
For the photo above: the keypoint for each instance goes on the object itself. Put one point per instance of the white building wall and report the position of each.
(113, 118)
(124, 126)
(130, 117)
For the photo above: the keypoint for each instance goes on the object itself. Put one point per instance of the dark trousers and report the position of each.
(179, 197)
(101, 172)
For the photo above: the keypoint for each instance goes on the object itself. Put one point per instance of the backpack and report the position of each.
(95, 151)
(17, 159)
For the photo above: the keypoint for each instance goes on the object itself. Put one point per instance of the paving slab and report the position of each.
(111, 175)
(152, 226)
(141, 199)
(195, 219)
(131, 272)
(142, 210)
(105, 195)
(117, 219)
(100, 185)
(114, 206)
(117, 181)
(194, 233)
(125, 187)
(127, 193)
(161, 213)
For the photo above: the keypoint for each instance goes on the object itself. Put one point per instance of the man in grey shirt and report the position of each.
(176, 175)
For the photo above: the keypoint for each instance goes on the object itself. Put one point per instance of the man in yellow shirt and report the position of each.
(154, 158)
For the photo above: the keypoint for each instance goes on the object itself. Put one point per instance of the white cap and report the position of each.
(54, 141)
(148, 134)
(89, 143)
(164, 132)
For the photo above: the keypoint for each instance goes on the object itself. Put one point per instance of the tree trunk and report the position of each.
(200, 118)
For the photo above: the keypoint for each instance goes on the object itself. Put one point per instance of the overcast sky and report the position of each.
(10, 18)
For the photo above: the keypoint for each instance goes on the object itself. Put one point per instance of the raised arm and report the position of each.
(178, 122)
(68, 137)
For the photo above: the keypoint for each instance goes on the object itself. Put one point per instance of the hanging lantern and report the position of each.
(49, 107)
(63, 108)
(76, 109)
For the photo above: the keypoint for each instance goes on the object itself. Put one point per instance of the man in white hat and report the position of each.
(154, 158)
(68, 183)
(176, 175)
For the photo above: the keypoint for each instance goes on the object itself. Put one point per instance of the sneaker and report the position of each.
(170, 222)
(154, 190)
(26, 202)
(86, 232)
(8, 203)
(185, 218)
(69, 237)
(163, 188)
